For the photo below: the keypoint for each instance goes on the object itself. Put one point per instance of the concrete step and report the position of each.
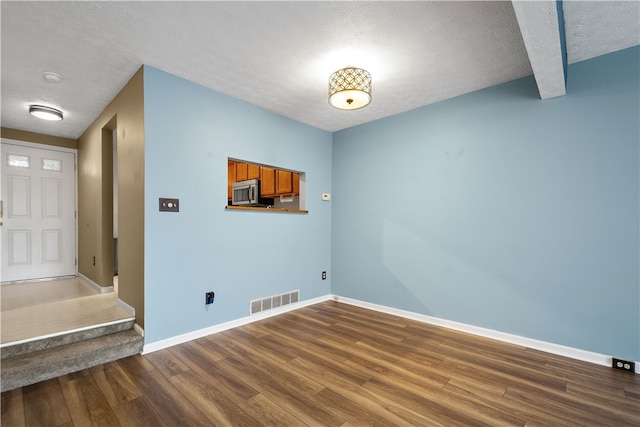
(40, 365)
(63, 338)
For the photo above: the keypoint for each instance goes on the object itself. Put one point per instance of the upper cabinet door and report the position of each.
(241, 171)
(296, 183)
(253, 171)
(231, 173)
(284, 182)
(267, 182)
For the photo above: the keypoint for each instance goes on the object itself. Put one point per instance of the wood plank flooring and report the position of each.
(332, 364)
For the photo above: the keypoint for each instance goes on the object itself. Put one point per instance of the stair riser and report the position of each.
(15, 379)
(50, 363)
(60, 340)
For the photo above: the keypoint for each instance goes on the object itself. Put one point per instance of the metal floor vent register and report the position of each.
(262, 304)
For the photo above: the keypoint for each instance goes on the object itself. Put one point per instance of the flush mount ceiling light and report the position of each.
(350, 89)
(46, 113)
(50, 77)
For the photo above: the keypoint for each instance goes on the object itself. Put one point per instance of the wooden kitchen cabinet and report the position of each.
(231, 176)
(278, 182)
(296, 183)
(241, 171)
(253, 171)
(267, 182)
(284, 182)
(273, 182)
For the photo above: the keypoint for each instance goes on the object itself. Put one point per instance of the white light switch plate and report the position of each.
(326, 196)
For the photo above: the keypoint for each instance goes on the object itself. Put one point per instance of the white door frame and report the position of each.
(73, 151)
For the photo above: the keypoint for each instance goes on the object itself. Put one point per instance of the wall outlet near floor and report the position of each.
(623, 365)
(324, 275)
(209, 296)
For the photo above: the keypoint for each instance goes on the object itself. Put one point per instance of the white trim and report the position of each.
(43, 279)
(189, 336)
(126, 307)
(138, 329)
(94, 285)
(557, 349)
(69, 331)
(39, 145)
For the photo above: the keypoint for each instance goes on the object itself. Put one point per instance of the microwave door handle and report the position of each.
(252, 193)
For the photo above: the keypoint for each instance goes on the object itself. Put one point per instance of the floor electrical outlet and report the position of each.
(623, 365)
(324, 275)
(209, 296)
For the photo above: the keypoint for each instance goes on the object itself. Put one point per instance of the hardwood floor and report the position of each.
(332, 364)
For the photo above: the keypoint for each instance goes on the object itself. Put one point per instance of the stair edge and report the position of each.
(68, 360)
(19, 348)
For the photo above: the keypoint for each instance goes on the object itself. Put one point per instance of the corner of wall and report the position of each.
(124, 115)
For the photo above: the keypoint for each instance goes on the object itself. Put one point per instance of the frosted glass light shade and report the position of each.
(46, 113)
(350, 89)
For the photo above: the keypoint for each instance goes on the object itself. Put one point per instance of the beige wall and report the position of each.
(40, 138)
(125, 114)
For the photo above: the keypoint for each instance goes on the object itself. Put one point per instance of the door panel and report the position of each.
(51, 198)
(51, 246)
(38, 235)
(19, 252)
(19, 203)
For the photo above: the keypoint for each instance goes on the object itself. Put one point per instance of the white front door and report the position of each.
(38, 234)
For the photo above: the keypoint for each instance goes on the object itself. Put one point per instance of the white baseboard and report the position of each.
(126, 307)
(557, 349)
(189, 336)
(138, 329)
(94, 285)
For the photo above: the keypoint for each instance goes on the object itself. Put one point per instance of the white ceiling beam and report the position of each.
(538, 21)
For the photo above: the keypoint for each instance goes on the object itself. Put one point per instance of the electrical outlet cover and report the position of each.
(209, 297)
(169, 205)
(623, 365)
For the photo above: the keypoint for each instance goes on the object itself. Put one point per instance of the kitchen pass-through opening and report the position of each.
(256, 185)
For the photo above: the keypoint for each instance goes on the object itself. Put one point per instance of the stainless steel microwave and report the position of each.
(247, 193)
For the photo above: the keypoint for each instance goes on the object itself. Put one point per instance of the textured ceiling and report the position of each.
(279, 55)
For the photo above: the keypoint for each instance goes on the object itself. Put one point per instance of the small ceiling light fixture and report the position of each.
(46, 113)
(350, 89)
(50, 77)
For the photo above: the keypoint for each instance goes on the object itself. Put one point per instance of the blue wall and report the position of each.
(190, 131)
(500, 210)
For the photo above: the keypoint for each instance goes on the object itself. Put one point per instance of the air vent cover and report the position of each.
(263, 304)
